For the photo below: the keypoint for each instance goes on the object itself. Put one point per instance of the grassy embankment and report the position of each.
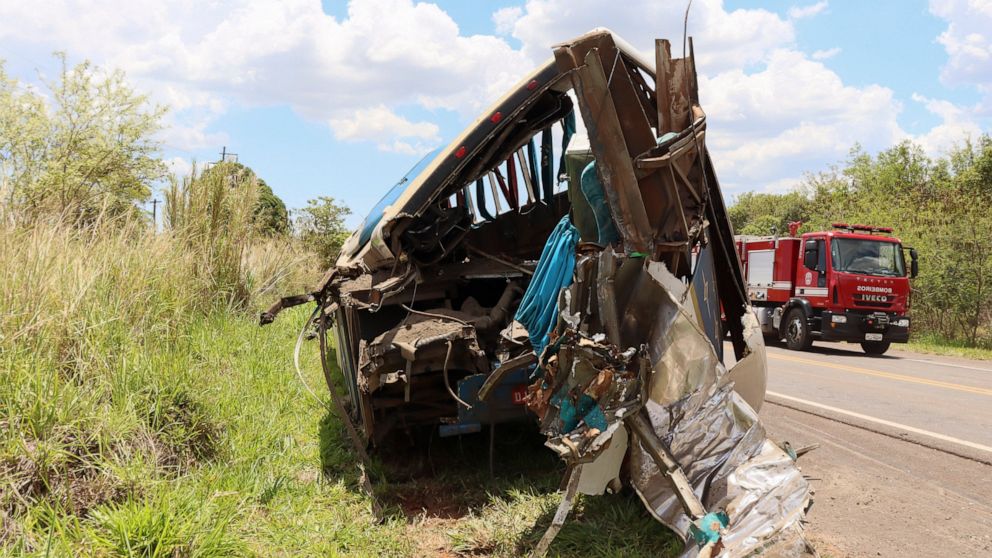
(937, 346)
(140, 416)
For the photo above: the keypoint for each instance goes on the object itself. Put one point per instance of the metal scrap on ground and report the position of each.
(520, 272)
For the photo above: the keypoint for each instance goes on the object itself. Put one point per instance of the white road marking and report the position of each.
(881, 374)
(846, 446)
(888, 423)
(938, 363)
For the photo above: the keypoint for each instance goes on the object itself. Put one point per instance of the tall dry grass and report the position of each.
(98, 388)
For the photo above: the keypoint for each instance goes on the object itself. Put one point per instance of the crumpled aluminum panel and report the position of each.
(722, 447)
(724, 451)
(690, 398)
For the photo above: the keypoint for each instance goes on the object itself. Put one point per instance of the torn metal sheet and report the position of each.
(418, 347)
(604, 471)
(748, 375)
(709, 429)
(584, 390)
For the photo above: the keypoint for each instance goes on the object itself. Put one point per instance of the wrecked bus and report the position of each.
(565, 259)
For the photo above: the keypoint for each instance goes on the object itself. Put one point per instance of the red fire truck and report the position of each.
(847, 284)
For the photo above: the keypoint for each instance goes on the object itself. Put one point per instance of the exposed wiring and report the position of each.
(447, 382)
(413, 299)
(685, 26)
(685, 80)
(433, 315)
(296, 356)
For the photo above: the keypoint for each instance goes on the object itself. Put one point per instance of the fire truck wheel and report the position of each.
(875, 348)
(796, 330)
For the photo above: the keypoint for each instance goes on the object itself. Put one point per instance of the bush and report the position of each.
(320, 225)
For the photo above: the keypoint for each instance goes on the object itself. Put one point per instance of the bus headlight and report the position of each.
(838, 319)
(904, 322)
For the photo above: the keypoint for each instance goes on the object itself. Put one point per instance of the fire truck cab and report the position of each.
(847, 284)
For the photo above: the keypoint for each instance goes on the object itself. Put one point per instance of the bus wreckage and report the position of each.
(524, 271)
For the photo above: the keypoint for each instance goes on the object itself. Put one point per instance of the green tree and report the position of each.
(321, 227)
(23, 125)
(938, 206)
(763, 225)
(270, 214)
(81, 149)
(757, 213)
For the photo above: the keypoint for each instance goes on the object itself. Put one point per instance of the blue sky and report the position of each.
(341, 98)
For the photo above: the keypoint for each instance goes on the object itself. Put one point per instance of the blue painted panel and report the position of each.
(394, 193)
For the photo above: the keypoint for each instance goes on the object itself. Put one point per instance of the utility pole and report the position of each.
(226, 157)
(155, 215)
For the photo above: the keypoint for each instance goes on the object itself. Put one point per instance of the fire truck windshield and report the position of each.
(867, 257)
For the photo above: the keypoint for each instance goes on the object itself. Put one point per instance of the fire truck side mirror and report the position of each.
(914, 263)
(810, 255)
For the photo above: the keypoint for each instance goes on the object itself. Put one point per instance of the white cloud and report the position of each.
(723, 39)
(795, 115)
(204, 57)
(825, 54)
(774, 111)
(385, 127)
(967, 41)
(504, 18)
(802, 12)
(183, 135)
(179, 166)
(377, 122)
(782, 185)
(957, 124)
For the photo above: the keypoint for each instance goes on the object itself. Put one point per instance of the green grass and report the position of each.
(140, 416)
(240, 460)
(938, 346)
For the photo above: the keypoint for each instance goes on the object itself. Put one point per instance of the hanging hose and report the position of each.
(356, 439)
(480, 200)
(547, 165)
(568, 130)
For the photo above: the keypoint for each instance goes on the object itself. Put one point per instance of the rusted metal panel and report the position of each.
(663, 60)
(632, 108)
(606, 137)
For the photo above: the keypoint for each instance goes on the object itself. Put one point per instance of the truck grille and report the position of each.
(877, 301)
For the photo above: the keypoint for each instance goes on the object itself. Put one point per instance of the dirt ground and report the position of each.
(879, 496)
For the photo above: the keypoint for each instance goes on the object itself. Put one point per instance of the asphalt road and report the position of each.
(904, 466)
